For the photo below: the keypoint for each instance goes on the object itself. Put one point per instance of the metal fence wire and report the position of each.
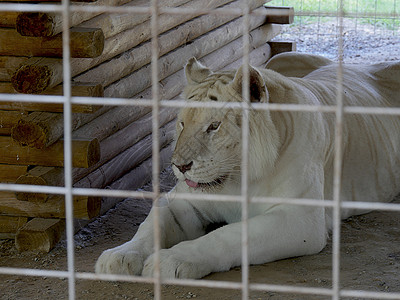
(156, 103)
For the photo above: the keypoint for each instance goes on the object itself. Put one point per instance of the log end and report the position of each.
(86, 207)
(97, 46)
(90, 45)
(29, 134)
(35, 24)
(39, 235)
(281, 46)
(32, 197)
(31, 79)
(96, 91)
(280, 14)
(9, 226)
(85, 153)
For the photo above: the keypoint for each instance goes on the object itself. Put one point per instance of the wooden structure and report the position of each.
(112, 146)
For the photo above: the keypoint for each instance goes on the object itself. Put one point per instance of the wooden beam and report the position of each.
(8, 19)
(100, 128)
(113, 24)
(126, 156)
(37, 75)
(77, 89)
(122, 121)
(258, 58)
(140, 176)
(85, 207)
(42, 129)
(127, 160)
(7, 235)
(35, 1)
(85, 42)
(50, 24)
(10, 225)
(10, 106)
(85, 153)
(134, 133)
(280, 14)
(9, 119)
(10, 173)
(282, 46)
(171, 86)
(131, 136)
(110, 122)
(172, 62)
(133, 180)
(132, 60)
(39, 235)
(55, 176)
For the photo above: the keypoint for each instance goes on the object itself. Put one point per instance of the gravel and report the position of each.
(362, 43)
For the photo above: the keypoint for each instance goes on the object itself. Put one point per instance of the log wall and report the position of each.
(112, 145)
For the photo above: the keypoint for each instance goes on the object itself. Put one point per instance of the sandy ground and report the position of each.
(370, 260)
(370, 244)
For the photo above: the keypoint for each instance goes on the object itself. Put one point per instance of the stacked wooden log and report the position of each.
(111, 57)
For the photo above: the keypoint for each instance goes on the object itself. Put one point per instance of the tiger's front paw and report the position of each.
(120, 261)
(174, 265)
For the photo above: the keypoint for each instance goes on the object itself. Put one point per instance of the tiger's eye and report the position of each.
(213, 126)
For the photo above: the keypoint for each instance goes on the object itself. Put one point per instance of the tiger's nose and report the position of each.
(185, 168)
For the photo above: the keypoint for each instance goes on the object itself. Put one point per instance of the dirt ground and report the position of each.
(370, 244)
(370, 260)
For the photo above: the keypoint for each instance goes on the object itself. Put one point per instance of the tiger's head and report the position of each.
(208, 149)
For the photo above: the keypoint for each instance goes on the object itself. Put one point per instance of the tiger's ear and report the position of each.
(258, 91)
(196, 72)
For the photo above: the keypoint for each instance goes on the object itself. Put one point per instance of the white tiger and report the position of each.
(290, 155)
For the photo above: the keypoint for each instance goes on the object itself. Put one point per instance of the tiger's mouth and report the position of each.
(207, 185)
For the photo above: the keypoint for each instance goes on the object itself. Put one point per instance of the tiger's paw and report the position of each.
(174, 265)
(120, 261)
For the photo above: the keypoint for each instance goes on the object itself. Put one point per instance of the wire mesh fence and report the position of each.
(328, 26)
(370, 29)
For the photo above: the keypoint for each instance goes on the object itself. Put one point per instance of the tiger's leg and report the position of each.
(284, 231)
(178, 221)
